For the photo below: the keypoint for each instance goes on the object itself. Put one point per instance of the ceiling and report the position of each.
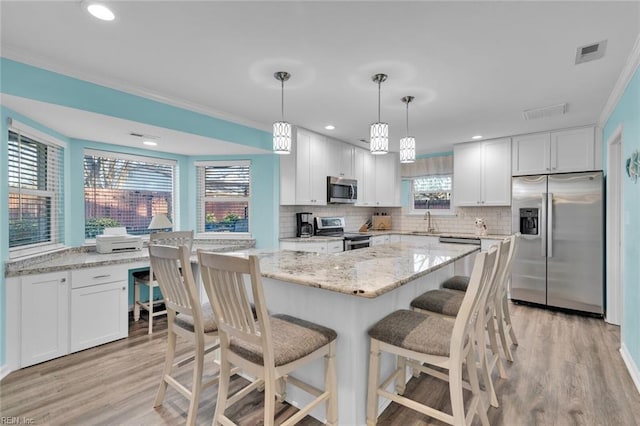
(473, 67)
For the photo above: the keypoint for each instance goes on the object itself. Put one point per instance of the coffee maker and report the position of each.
(304, 225)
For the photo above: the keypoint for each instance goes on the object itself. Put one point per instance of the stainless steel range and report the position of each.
(334, 227)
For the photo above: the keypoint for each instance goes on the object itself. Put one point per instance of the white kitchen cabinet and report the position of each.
(340, 159)
(303, 173)
(308, 246)
(365, 174)
(482, 173)
(44, 317)
(378, 179)
(99, 306)
(379, 240)
(387, 180)
(571, 150)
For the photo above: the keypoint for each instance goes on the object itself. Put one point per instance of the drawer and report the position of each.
(335, 246)
(86, 277)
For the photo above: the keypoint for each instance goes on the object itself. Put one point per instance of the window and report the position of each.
(431, 192)
(430, 186)
(126, 191)
(36, 208)
(223, 196)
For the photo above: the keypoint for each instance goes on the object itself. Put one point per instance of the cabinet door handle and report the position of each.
(101, 276)
(124, 288)
(63, 280)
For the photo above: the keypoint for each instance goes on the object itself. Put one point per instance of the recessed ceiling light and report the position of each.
(329, 127)
(476, 137)
(100, 11)
(150, 143)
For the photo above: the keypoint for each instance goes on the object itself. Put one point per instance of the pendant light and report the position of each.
(408, 143)
(379, 141)
(282, 129)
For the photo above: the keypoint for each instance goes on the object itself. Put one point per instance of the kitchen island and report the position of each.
(349, 292)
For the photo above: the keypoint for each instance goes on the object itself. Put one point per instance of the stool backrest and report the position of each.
(224, 280)
(483, 272)
(172, 269)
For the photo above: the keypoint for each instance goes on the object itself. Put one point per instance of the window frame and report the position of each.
(56, 196)
(137, 158)
(201, 199)
(435, 212)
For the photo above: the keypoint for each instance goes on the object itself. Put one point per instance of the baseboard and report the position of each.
(4, 371)
(631, 366)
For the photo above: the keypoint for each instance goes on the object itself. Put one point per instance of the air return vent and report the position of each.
(544, 112)
(591, 52)
(141, 135)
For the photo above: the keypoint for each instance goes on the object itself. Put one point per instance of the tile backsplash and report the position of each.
(498, 219)
(354, 217)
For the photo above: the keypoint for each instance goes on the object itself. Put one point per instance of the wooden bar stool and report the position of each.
(269, 349)
(424, 341)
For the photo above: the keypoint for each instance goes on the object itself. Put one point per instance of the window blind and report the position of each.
(126, 191)
(224, 190)
(35, 179)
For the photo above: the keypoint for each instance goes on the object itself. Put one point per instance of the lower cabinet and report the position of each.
(99, 314)
(62, 312)
(313, 246)
(44, 317)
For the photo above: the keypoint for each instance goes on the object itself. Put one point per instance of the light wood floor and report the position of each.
(567, 371)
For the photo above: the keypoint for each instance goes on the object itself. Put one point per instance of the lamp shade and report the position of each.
(281, 137)
(160, 221)
(379, 138)
(408, 149)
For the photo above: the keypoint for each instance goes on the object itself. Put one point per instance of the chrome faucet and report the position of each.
(427, 217)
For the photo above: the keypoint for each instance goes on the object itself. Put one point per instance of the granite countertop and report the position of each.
(368, 272)
(373, 233)
(87, 257)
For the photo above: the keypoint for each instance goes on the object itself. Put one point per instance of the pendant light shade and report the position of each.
(408, 143)
(379, 136)
(282, 129)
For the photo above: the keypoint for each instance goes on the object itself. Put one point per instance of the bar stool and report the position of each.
(147, 278)
(424, 341)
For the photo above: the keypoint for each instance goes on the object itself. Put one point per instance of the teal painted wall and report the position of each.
(30, 82)
(35, 83)
(627, 113)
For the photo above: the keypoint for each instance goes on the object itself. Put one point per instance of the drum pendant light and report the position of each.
(282, 129)
(379, 141)
(408, 143)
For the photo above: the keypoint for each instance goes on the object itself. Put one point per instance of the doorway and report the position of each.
(614, 222)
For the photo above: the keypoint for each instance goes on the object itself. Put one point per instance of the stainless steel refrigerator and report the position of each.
(559, 261)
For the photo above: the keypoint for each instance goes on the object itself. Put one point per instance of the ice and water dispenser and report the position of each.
(529, 221)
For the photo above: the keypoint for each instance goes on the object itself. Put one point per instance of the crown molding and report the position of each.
(17, 55)
(623, 80)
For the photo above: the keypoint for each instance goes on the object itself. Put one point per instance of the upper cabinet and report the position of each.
(378, 179)
(303, 173)
(482, 173)
(340, 159)
(572, 150)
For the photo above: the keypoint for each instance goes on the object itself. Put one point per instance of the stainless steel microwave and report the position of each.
(341, 190)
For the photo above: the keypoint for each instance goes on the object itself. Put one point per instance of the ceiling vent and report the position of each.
(141, 135)
(544, 112)
(591, 52)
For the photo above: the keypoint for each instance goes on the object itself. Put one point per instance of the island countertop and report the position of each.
(368, 272)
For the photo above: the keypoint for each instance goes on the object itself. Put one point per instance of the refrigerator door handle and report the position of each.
(550, 224)
(543, 226)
